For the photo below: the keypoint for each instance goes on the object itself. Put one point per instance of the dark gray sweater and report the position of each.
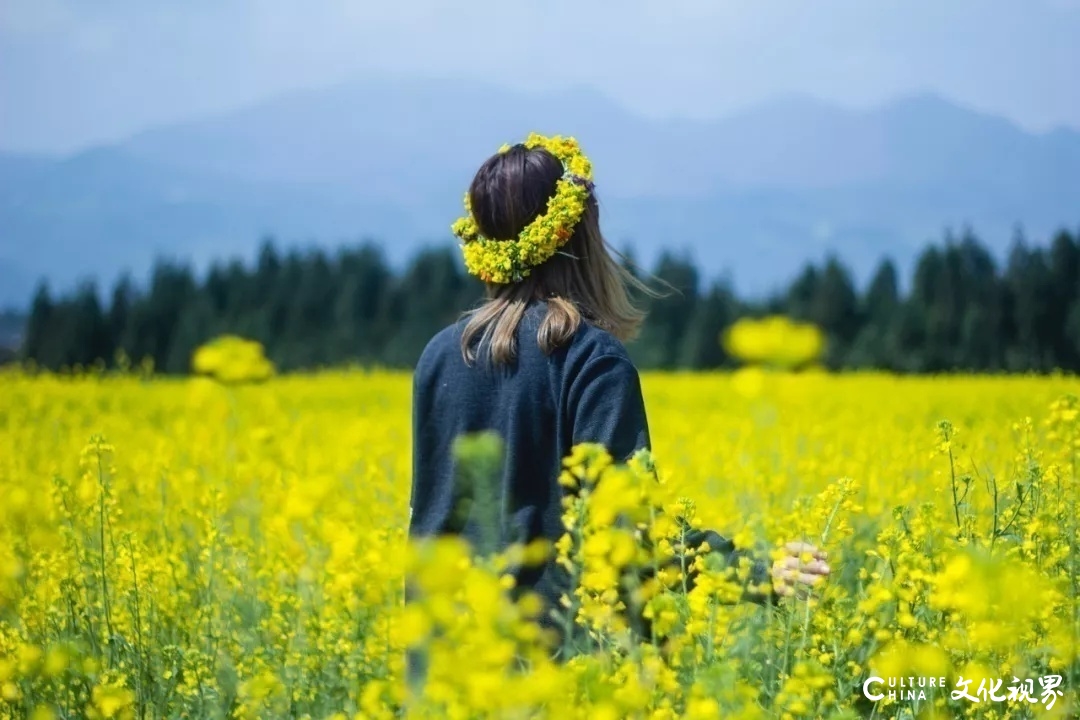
(541, 406)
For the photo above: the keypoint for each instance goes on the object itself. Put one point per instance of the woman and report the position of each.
(542, 361)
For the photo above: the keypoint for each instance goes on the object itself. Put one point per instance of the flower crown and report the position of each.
(509, 260)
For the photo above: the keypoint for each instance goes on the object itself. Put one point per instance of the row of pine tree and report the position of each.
(960, 311)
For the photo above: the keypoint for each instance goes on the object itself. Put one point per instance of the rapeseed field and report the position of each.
(188, 548)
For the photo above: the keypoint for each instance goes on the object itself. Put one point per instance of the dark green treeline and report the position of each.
(961, 311)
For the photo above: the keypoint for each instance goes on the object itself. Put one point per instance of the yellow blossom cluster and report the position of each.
(186, 548)
(774, 340)
(232, 359)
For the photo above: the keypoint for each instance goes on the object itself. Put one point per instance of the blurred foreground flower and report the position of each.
(774, 340)
(232, 359)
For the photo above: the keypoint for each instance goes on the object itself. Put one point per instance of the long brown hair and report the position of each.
(583, 282)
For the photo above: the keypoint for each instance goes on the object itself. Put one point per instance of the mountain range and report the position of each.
(753, 195)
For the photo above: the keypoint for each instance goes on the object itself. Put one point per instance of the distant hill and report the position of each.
(756, 193)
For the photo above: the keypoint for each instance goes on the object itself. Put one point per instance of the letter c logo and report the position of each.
(866, 688)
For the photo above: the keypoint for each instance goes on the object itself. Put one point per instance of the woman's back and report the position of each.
(541, 405)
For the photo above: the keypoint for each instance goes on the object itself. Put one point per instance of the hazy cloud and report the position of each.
(74, 73)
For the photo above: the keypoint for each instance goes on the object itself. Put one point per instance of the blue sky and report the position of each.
(74, 73)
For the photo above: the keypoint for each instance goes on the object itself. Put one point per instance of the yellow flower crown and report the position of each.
(508, 260)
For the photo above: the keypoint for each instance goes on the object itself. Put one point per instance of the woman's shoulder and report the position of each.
(592, 341)
(443, 346)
